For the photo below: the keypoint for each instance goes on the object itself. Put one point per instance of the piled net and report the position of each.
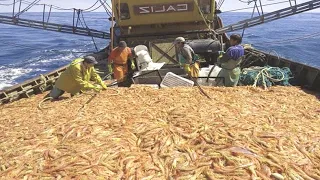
(266, 76)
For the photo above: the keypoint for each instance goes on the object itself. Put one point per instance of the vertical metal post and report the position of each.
(19, 7)
(112, 24)
(44, 10)
(14, 4)
(74, 13)
(119, 11)
(251, 17)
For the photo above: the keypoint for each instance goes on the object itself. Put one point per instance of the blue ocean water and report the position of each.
(26, 53)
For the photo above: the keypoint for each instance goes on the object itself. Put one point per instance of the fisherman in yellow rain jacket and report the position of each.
(76, 78)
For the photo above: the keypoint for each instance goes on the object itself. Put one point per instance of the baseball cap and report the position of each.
(122, 44)
(90, 60)
(179, 39)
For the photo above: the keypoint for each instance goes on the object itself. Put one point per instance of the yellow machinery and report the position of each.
(156, 23)
(147, 12)
(140, 20)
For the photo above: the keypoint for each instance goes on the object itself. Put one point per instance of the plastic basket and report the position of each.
(173, 80)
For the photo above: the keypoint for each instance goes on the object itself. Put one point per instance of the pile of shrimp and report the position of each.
(174, 133)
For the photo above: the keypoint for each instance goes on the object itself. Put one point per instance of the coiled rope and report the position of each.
(203, 18)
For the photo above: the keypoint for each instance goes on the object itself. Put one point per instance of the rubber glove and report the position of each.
(220, 54)
(133, 67)
(187, 68)
(110, 69)
(103, 85)
(97, 88)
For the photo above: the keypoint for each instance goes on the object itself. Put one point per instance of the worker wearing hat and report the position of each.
(76, 78)
(119, 57)
(187, 57)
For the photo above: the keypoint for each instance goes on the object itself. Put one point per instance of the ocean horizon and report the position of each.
(26, 52)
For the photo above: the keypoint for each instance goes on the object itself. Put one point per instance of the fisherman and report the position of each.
(187, 57)
(119, 58)
(230, 61)
(76, 78)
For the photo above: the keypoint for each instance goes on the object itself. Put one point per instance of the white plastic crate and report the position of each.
(173, 80)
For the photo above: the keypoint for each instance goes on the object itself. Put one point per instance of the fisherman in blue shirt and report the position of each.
(230, 61)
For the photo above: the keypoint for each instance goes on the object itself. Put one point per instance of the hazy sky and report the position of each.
(228, 4)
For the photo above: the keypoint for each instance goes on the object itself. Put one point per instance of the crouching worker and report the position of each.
(230, 61)
(76, 78)
(187, 57)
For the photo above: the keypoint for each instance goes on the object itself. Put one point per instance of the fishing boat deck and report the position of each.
(304, 76)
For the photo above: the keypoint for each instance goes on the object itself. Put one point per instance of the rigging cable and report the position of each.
(53, 6)
(256, 6)
(106, 9)
(110, 8)
(251, 17)
(102, 4)
(78, 14)
(313, 35)
(28, 7)
(260, 6)
(49, 13)
(94, 9)
(53, 50)
(36, 3)
(91, 6)
(281, 2)
(94, 42)
(109, 11)
(204, 19)
(4, 4)
(220, 4)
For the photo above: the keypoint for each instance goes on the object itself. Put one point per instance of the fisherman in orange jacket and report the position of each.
(119, 58)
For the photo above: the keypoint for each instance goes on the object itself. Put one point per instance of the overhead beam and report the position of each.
(54, 27)
(282, 13)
